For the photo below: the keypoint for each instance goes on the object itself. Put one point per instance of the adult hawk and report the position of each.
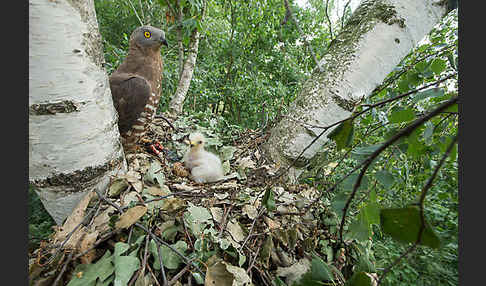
(135, 85)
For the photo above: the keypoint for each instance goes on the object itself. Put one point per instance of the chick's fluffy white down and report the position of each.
(205, 166)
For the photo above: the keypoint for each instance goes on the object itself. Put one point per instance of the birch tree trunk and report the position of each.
(177, 101)
(378, 35)
(74, 143)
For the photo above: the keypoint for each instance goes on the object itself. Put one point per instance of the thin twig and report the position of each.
(329, 19)
(166, 120)
(302, 35)
(162, 270)
(58, 278)
(178, 275)
(136, 14)
(344, 13)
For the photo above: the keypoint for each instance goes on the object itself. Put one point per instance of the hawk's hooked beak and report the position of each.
(164, 41)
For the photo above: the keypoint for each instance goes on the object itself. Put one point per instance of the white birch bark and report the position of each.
(376, 37)
(74, 143)
(177, 101)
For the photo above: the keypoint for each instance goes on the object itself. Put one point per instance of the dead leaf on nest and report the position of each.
(250, 211)
(101, 221)
(133, 178)
(295, 272)
(72, 221)
(217, 214)
(272, 224)
(235, 230)
(183, 187)
(132, 196)
(246, 162)
(225, 186)
(88, 241)
(117, 186)
(130, 217)
(156, 191)
(224, 274)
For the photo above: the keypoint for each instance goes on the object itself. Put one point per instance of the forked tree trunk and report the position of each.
(177, 101)
(74, 143)
(378, 35)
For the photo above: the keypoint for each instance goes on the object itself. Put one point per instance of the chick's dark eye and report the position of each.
(199, 142)
(147, 34)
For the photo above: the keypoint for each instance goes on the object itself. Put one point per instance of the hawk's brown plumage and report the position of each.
(136, 84)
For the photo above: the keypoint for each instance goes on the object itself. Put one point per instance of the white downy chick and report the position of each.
(205, 166)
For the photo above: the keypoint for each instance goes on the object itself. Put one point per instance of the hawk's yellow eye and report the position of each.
(147, 34)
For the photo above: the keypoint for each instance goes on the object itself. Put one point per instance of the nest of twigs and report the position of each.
(250, 228)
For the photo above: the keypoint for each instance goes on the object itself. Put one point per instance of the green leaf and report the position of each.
(197, 218)
(360, 228)
(428, 132)
(125, 266)
(431, 92)
(269, 200)
(170, 259)
(339, 201)
(385, 178)
(359, 279)
(348, 183)
(320, 270)
(438, 66)
(403, 225)
(364, 264)
(343, 134)
(91, 272)
(415, 147)
(401, 115)
(365, 151)
(452, 108)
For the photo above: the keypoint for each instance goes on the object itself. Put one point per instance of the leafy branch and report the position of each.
(404, 132)
(421, 207)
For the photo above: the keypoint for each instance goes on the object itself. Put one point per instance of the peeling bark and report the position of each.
(177, 101)
(74, 143)
(357, 61)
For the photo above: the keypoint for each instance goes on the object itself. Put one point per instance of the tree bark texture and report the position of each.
(177, 101)
(378, 35)
(74, 143)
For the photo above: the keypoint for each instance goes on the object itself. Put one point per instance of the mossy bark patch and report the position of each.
(78, 180)
(65, 106)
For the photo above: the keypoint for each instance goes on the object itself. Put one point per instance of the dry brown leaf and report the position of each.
(183, 187)
(272, 224)
(130, 217)
(74, 220)
(88, 241)
(156, 191)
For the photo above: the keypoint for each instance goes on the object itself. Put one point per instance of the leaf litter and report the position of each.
(247, 229)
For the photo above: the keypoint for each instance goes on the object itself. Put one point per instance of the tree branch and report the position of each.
(425, 189)
(404, 132)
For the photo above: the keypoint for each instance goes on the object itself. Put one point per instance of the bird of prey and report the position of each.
(136, 84)
(205, 166)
